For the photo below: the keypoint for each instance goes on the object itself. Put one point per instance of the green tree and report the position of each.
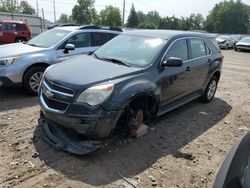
(147, 26)
(132, 18)
(63, 19)
(228, 17)
(26, 8)
(153, 17)
(196, 22)
(9, 6)
(84, 12)
(141, 17)
(111, 16)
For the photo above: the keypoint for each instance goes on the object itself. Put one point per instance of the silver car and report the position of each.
(225, 42)
(24, 64)
(243, 44)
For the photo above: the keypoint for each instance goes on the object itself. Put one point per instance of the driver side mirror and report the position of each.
(172, 62)
(69, 47)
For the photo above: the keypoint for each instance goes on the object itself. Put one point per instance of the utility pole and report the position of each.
(54, 4)
(123, 16)
(37, 10)
(43, 23)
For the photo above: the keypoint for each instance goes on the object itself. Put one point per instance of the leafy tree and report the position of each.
(228, 17)
(9, 6)
(147, 26)
(153, 17)
(26, 8)
(84, 12)
(169, 23)
(141, 17)
(132, 18)
(196, 22)
(63, 19)
(111, 16)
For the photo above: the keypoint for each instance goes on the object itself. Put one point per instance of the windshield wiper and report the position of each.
(117, 61)
(93, 53)
(32, 45)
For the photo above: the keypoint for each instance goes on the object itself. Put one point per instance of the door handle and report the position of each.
(188, 69)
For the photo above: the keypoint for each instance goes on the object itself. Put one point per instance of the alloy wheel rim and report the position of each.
(211, 89)
(35, 80)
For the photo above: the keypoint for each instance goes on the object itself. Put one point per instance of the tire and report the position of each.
(20, 40)
(210, 90)
(226, 47)
(32, 78)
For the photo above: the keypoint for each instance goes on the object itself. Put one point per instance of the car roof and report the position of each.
(167, 34)
(77, 28)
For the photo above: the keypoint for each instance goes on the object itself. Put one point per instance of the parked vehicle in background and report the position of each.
(137, 75)
(243, 44)
(236, 38)
(234, 172)
(25, 63)
(14, 31)
(225, 42)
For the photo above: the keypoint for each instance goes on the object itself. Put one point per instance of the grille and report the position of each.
(54, 104)
(58, 88)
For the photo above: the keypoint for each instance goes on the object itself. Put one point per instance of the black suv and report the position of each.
(135, 76)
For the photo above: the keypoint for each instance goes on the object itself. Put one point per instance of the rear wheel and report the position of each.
(32, 79)
(210, 91)
(20, 39)
(226, 47)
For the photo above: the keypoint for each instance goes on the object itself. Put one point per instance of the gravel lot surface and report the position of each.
(185, 149)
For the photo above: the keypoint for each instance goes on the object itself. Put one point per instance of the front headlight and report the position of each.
(8, 61)
(96, 95)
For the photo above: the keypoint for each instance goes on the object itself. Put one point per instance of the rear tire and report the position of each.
(210, 90)
(20, 40)
(32, 79)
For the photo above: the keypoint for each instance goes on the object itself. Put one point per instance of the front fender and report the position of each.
(137, 88)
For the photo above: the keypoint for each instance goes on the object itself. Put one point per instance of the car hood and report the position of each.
(243, 43)
(15, 49)
(220, 40)
(82, 71)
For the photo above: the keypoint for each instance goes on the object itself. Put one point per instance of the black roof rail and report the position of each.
(111, 28)
(64, 25)
(89, 27)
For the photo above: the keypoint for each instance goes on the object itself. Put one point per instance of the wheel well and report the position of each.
(45, 65)
(20, 38)
(217, 74)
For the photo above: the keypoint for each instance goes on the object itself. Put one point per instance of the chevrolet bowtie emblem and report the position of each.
(49, 94)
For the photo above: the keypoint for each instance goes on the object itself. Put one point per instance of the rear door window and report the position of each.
(80, 40)
(20, 27)
(98, 39)
(198, 48)
(8, 27)
(179, 50)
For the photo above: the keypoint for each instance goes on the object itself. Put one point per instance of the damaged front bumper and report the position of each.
(67, 140)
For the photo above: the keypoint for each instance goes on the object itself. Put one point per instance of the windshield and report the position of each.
(247, 40)
(134, 50)
(48, 38)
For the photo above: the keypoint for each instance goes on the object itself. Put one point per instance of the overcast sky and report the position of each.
(164, 7)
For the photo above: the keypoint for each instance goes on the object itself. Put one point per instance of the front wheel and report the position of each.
(32, 79)
(210, 91)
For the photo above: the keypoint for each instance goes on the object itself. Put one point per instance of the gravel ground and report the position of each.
(185, 149)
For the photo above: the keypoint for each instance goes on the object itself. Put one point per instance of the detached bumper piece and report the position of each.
(67, 140)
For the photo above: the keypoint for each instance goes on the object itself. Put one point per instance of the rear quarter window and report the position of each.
(20, 27)
(213, 44)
